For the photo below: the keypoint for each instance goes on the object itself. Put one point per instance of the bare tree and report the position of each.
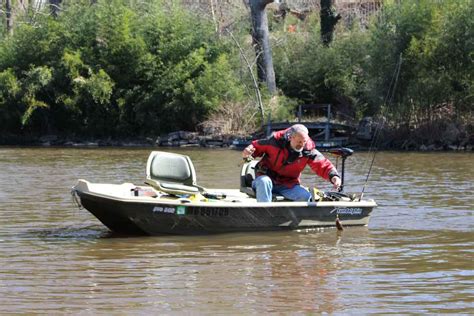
(14, 10)
(261, 42)
(9, 16)
(329, 20)
(55, 7)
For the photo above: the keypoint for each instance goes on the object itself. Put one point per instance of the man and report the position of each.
(284, 156)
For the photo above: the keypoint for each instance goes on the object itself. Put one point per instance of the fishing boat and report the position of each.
(171, 202)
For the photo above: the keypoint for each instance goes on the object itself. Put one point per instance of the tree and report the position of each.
(329, 20)
(261, 42)
(9, 18)
(14, 9)
(54, 6)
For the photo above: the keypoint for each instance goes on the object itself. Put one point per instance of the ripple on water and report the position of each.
(415, 256)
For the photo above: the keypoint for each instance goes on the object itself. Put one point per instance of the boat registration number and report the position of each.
(180, 210)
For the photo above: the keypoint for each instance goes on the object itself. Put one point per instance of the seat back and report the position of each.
(247, 175)
(171, 173)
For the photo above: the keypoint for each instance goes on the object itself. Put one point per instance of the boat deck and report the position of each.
(129, 192)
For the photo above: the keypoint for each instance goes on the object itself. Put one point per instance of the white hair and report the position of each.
(298, 129)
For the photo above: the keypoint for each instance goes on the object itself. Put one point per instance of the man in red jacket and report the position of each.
(284, 156)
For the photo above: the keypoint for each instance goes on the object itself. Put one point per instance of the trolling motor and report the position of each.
(339, 195)
(342, 152)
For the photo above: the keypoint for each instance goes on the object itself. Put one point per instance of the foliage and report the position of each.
(434, 40)
(131, 68)
(315, 73)
(282, 108)
(436, 44)
(397, 29)
(446, 55)
(115, 68)
(9, 90)
(229, 118)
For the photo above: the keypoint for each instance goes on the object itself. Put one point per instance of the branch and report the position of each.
(255, 83)
(214, 19)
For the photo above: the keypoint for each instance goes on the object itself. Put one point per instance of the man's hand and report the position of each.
(248, 151)
(336, 182)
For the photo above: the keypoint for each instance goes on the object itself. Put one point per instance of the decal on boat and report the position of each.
(347, 210)
(160, 209)
(181, 210)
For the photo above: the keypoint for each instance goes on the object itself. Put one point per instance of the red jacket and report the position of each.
(285, 165)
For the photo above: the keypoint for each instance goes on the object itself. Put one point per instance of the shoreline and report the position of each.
(209, 142)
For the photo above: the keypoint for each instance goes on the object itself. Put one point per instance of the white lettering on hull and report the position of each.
(159, 209)
(347, 210)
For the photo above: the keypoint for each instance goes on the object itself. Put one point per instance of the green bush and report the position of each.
(9, 90)
(434, 40)
(114, 69)
(314, 73)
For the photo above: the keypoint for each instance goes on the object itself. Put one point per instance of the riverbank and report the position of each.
(183, 139)
(175, 139)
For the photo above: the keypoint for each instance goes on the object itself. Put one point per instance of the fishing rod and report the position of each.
(388, 100)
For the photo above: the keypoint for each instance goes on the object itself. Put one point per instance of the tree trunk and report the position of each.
(55, 7)
(261, 42)
(329, 20)
(9, 16)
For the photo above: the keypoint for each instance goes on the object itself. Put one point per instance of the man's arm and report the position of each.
(324, 168)
(257, 148)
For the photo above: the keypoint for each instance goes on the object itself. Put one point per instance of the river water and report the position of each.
(416, 255)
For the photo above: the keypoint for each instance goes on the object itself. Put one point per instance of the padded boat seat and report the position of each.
(172, 188)
(171, 173)
(247, 175)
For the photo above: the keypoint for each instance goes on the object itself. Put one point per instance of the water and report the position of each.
(416, 256)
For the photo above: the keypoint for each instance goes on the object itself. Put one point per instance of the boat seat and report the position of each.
(171, 173)
(247, 175)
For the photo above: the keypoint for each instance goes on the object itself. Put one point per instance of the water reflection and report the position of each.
(273, 272)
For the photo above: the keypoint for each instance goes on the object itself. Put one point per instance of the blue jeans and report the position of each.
(264, 188)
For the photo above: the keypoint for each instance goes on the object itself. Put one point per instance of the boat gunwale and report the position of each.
(231, 204)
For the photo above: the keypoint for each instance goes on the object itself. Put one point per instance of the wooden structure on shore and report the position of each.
(326, 134)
